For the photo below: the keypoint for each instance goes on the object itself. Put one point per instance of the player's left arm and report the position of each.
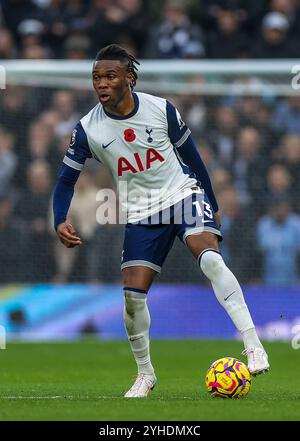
(180, 136)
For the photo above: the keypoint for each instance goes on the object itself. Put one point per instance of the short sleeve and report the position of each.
(78, 150)
(177, 130)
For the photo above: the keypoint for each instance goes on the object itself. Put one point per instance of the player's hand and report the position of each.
(218, 218)
(67, 235)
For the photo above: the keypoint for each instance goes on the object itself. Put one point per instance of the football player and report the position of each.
(142, 140)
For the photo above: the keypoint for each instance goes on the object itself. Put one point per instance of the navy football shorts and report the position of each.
(148, 242)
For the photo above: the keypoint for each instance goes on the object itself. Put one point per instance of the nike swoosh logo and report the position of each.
(205, 221)
(226, 298)
(135, 338)
(106, 145)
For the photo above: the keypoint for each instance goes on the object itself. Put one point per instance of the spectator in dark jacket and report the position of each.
(33, 208)
(175, 36)
(275, 41)
(227, 40)
(14, 242)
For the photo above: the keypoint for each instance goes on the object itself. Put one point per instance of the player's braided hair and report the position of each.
(115, 52)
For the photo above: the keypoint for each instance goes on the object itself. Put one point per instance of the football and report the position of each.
(228, 378)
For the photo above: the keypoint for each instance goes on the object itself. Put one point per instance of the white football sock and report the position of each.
(251, 339)
(137, 323)
(229, 295)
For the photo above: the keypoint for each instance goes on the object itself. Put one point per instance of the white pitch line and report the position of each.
(31, 398)
(69, 397)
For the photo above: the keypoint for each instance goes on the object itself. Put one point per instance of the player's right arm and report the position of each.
(73, 163)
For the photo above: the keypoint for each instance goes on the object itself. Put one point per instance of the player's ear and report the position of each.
(129, 78)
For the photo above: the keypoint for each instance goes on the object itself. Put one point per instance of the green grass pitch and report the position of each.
(86, 380)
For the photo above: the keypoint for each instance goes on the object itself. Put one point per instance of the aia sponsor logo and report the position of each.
(137, 163)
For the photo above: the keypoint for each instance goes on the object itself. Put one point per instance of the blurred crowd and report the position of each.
(251, 145)
(77, 29)
(251, 148)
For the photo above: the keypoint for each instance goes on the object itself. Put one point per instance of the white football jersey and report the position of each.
(140, 151)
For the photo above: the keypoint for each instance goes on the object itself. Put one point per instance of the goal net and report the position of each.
(245, 119)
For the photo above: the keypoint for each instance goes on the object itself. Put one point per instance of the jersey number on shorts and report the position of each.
(206, 209)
